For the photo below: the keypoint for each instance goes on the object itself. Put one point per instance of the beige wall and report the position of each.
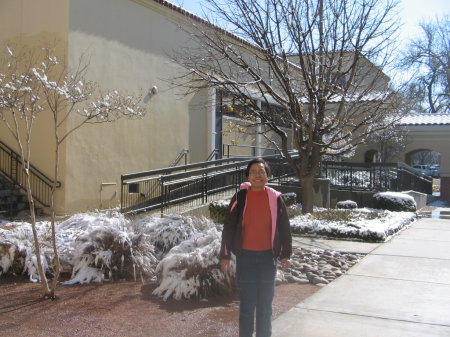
(128, 45)
(242, 133)
(423, 137)
(434, 138)
(22, 18)
(27, 25)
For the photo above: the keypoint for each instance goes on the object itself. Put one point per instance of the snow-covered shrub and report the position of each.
(362, 224)
(109, 253)
(31, 265)
(100, 254)
(290, 198)
(395, 201)
(8, 255)
(191, 269)
(294, 210)
(79, 225)
(17, 254)
(218, 209)
(167, 232)
(143, 256)
(347, 204)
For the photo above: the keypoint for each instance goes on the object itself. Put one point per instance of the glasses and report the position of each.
(256, 173)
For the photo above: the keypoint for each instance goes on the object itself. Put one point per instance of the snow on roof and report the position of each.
(426, 119)
(179, 9)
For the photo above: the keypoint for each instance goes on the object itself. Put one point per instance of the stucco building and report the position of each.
(128, 44)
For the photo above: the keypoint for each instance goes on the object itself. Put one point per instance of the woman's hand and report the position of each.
(225, 265)
(285, 263)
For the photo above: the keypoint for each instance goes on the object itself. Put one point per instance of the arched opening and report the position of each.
(427, 162)
(423, 157)
(371, 156)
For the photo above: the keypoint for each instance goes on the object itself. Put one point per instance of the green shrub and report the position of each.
(347, 204)
(293, 211)
(290, 198)
(395, 202)
(217, 210)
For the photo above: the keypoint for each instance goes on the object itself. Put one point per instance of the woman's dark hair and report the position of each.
(258, 161)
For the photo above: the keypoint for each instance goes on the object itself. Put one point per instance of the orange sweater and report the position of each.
(257, 222)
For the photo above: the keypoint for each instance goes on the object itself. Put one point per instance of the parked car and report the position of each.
(424, 169)
(436, 170)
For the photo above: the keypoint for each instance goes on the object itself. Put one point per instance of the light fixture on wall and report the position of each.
(153, 91)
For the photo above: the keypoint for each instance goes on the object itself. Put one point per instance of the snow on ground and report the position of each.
(180, 252)
(361, 224)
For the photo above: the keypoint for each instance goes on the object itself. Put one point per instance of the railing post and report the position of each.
(121, 193)
(351, 178)
(205, 188)
(163, 196)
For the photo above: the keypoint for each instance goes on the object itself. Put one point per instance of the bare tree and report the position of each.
(37, 83)
(428, 58)
(315, 65)
(389, 143)
(426, 157)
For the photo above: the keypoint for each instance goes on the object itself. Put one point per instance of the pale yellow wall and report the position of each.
(127, 44)
(434, 138)
(242, 133)
(22, 18)
(237, 132)
(29, 24)
(199, 127)
(422, 137)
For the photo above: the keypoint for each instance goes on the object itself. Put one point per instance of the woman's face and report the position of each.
(257, 176)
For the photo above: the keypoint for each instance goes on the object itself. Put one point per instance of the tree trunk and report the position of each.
(56, 263)
(307, 194)
(37, 249)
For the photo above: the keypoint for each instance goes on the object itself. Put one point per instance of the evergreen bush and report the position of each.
(395, 202)
(290, 198)
(347, 204)
(217, 210)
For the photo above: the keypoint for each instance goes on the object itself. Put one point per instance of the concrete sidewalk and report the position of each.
(401, 288)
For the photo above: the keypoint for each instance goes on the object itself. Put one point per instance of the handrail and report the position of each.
(252, 147)
(376, 176)
(197, 184)
(194, 183)
(182, 154)
(11, 167)
(168, 170)
(213, 155)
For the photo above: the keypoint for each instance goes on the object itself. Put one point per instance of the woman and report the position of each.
(257, 231)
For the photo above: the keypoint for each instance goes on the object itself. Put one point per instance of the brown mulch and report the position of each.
(123, 309)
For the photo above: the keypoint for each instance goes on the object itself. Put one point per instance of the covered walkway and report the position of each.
(430, 132)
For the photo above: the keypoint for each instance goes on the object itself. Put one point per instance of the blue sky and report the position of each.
(411, 12)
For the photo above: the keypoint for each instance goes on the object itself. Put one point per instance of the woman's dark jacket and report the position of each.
(232, 234)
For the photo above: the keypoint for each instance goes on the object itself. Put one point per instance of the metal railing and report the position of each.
(213, 155)
(187, 186)
(11, 167)
(376, 177)
(182, 187)
(184, 153)
(250, 150)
